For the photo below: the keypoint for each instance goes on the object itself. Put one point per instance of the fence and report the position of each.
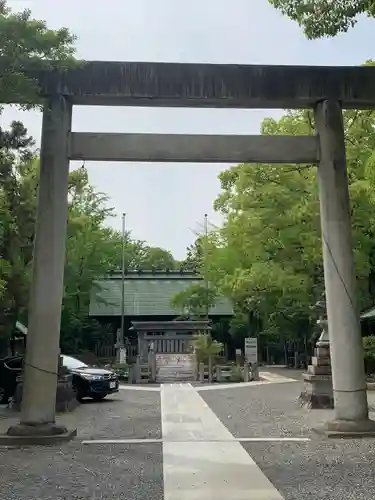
(109, 351)
(162, 345)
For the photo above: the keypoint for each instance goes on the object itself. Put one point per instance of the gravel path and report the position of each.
(92, 472)
(341, 470)
(320, 469)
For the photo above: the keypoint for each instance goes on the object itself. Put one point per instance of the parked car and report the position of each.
(88, 381)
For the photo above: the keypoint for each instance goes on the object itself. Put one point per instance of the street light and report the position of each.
(121, 353)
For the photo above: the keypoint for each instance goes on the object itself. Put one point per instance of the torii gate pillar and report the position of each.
(43, 342)
(348, 374)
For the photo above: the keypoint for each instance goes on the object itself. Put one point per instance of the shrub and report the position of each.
(236, 374)
(205, 347)
(121, 370)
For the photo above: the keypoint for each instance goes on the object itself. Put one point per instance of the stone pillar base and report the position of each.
(36, 430)
(347, 429)
(41, 434)
(66, 399)
(317, 393)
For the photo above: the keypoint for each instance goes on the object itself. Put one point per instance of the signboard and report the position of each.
(251, 350)
(172, 367)
(122, 355)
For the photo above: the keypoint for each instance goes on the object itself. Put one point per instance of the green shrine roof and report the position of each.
(147, 294)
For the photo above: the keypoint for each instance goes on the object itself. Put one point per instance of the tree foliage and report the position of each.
(93, 249)
(194, 255)
(158, 259)
(18, 182)
(267, 257)
(195, 301)
(320, 18)
(26, 47)
(205, 347)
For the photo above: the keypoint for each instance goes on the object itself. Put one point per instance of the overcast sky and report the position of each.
(165, 202)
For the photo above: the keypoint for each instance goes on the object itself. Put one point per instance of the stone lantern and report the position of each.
(318, 390)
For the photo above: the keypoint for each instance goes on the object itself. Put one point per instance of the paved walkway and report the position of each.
(180, 442)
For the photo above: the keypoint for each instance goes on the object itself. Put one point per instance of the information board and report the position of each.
(251, 350)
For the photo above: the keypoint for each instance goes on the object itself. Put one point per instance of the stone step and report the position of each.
(320, 361)
(311, 377)
(319, 370)
(322, 352)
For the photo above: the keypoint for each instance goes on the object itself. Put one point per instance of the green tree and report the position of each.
(18, 181)
(92, 250)
(158, 259)
(205, 347)
(194, 255)
(26, 47)
(320, 18)
(268, 256)
(195, 301)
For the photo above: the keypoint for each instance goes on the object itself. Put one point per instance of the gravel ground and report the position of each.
(263, 410)
(90, 472)
(75, 472)
(322, 469)
(334, 470)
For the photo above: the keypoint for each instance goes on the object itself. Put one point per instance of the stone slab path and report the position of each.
(201, 459)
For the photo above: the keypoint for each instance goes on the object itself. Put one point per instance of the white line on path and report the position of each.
(216, 466)
(238, 440)
(243, 385)
(275, 378)
(138, 388)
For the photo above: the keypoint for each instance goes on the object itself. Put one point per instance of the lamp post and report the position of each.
(121, 356)
(205, 263)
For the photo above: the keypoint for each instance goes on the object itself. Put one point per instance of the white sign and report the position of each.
(174, 359)
(122, 355)
(175, 367)
(251, 350)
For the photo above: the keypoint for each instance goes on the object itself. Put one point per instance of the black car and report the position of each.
(87, 381)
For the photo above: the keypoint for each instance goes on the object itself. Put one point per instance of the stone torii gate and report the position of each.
(325, 89)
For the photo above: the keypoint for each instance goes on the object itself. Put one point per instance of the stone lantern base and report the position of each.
(318, 391)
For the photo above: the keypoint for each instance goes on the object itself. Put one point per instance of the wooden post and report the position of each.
(296, 364)
(210, 369)
(246, 372)
(137, 368)
(152, 365)
(201, 372)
